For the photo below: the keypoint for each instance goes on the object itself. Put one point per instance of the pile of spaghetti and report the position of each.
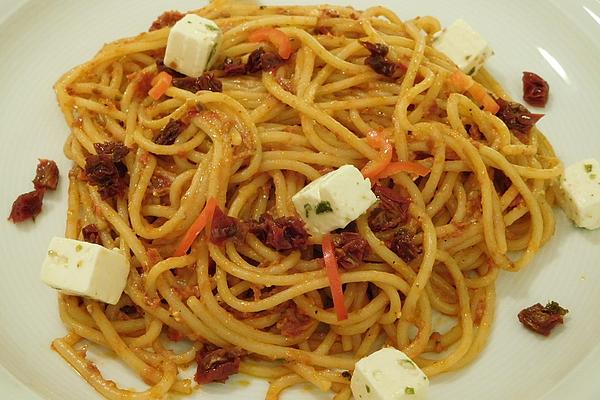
(462, 175)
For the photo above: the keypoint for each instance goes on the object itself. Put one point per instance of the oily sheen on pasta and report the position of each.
(487, 194)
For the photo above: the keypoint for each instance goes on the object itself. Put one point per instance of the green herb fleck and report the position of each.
(78, 248)
(210, 56)
(211, 27)
(368, 388)
(409, 390)
(406, 364)
(588, 168)
(555, 308)
(467, 57)
(323, 207)
(307, 209)
(471, 71)
(593, 176)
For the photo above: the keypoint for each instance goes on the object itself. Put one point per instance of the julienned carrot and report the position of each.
(403, 166)
(482, 97)
(333, 274)
(378, 140)
(461, 81)
(280, 40)
(199, 224)
(464, 83)
(160, 84)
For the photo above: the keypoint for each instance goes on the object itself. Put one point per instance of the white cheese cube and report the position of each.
(85, 269)
(193, 45)
(334, 200)
(388, 374)
(467, 48)
(580, 193)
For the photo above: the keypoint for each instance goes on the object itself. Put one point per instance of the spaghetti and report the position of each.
(477, 191)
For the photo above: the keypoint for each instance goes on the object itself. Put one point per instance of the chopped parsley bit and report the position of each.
(78, 248)
(210, 56)
(588, 167)
(406, 364)
(368, 388)
(471, 71)
(593, 176)
(467, 57)
(555, 308)
(307, 209)
(323, 207)
(409, 390)
(211, 28)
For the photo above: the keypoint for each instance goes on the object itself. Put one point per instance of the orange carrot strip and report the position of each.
(160, 84)
(482, 97)
(464, 83)
(403, 166)
(280, 40)
(333, 274)
(374, 167)
(199, 224)
(461, 81)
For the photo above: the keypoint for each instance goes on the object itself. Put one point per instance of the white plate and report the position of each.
(39, 40)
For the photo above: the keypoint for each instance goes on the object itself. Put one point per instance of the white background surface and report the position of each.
(39, 40)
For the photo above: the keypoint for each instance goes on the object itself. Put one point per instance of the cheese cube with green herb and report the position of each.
(85, 269)
(193, 45)
(580, 193)
(388, 374)
(463, 45)
(334, 200)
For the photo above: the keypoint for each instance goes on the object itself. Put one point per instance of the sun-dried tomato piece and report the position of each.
(106, 170)
(166, 19)
(116, 151)
(379, 63)
(91, 234)
(46, 175)
(169, 133)
(217, 365)
(350, 249)
(27, 205)
(517, 117)
(542, 319)
(293, 321)
(285, 233)
(223, 227)
(232, 67)
(535, 89)
(402, 245)
(391, 211)
(206, 81)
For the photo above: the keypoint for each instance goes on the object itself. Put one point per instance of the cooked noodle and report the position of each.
(256, 144)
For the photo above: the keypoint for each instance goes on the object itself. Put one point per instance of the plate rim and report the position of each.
(571, 383)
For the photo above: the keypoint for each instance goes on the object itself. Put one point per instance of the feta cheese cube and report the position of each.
(334, 200)
(388, 374)
(580, 193)
(193, 45)
(467, 48)
(85, 269)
